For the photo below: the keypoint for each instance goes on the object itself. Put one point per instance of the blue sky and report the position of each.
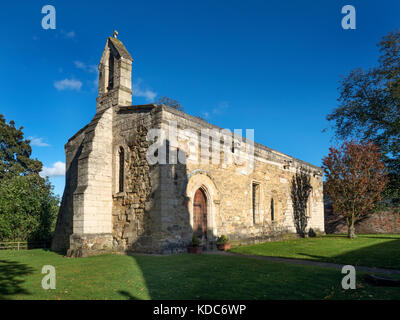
(273, 66)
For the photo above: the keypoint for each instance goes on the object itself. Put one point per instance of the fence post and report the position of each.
(18, 245)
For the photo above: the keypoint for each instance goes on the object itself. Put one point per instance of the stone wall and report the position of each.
(84, 245)
(228, 189)
(64, 225)
(131, 225)
(162, 222)
(87, 205)
(92, 197)
(154, 213)
(380, 222)
(136, 210)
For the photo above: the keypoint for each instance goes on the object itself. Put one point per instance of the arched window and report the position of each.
(121, 169)
(272, 210)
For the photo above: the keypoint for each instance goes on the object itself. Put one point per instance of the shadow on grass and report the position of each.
(127, 295)
(184, 276)
(11, 273)
(209, 277)
(197, 277)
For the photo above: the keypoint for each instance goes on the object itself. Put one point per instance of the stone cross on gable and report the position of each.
(115, 33)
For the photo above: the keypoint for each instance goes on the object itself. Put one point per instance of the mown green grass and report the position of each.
(366, 250)
(183, 276)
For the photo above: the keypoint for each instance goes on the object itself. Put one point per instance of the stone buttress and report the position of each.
(84, 223)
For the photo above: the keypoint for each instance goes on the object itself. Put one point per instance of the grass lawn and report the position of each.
(366, 250)
(181, 276)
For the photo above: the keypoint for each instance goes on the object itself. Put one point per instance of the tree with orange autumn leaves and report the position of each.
(355, 178)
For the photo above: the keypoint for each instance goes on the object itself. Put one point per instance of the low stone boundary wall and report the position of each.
(379, 222)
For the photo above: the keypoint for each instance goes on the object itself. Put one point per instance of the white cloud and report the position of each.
(38, 142)
(69, 34)
(220, 108)
(86, 67)
(58, 169)
(138, 91)
(89, 68)
(68, 84)
(80, 65)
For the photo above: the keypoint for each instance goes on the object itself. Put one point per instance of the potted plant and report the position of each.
(195, 245)
(223, 243)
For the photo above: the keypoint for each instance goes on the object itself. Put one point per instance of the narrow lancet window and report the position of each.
(111, 72)
(256, 201)
(121, 169)
(272, 210)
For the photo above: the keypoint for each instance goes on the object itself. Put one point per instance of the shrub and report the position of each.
(311, 233)
(223, 239)
(315, 233)
(195, 242)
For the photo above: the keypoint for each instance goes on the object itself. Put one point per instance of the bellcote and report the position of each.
(115, 75)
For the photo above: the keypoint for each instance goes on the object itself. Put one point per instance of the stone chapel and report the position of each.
(115, 200)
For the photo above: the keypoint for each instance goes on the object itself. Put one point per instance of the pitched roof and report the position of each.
(118, 45)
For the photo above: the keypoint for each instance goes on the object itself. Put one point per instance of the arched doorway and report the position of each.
(200, 216)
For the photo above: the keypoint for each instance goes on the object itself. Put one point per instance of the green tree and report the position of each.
(369, 108)
(15, 152)
(28, 207)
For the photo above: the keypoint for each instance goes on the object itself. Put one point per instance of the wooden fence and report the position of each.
(24, 245)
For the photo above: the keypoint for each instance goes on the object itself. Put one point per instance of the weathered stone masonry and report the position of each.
(130, 223)
(114, 200)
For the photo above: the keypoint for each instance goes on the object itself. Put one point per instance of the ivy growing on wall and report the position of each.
(300, 192)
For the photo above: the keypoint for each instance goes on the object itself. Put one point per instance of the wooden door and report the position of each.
(200, 215)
